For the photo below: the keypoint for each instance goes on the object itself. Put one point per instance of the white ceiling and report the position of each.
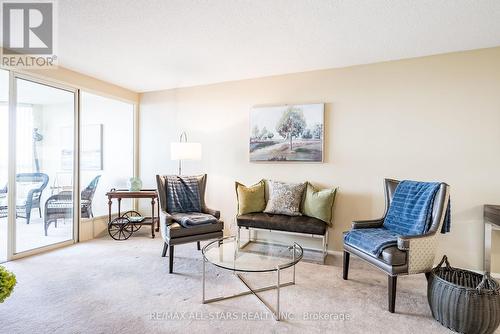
(149, 45)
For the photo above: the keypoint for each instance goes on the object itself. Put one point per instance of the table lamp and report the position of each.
(183, 150)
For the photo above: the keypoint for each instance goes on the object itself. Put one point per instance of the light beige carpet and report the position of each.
(107, 286)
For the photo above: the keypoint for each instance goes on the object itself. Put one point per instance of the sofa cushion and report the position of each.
(285, 198)
(377, 261)
(391, 256)
(394, 256)
(319, 203)
(177, 231)
(250, 199)
(298, 224)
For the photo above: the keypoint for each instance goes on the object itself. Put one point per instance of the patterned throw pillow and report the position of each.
(285, 198)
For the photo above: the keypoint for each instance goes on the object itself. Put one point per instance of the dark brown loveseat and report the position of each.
(298, 225)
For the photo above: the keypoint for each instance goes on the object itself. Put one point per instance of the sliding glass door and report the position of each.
(44, 165)
(55, 160)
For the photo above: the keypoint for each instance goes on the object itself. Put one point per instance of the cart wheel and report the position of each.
(120, 228)
(132, 213)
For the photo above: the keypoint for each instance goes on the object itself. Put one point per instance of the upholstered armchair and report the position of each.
(413, 254)
(173, 232)
(29, 190)
(61, 205)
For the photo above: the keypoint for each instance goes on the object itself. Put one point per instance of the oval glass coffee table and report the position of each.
(252, 257)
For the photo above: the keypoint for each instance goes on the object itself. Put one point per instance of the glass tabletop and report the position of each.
(251, 257)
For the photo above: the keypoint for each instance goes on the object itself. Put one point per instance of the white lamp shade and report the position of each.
(185, 151)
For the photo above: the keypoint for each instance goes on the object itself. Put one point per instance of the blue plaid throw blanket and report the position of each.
(183, 194)
(373, 240)
(410, 213)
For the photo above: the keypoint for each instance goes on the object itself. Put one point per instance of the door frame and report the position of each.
(11, 195)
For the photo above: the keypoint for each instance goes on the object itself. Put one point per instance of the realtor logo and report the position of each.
(28, 34)
(28, 28)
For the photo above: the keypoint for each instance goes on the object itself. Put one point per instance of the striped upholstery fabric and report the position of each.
(183, 194)
(65, 204)
(20, 207)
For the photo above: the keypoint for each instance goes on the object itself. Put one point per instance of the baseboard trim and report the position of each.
(313, 249)
(335, 252)
(340, 254)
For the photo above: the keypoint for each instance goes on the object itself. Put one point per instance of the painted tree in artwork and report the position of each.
(307, 134)
(255, 132)
(291, 124)
(318, 131)
(263, 133)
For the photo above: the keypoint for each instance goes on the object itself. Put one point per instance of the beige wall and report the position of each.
(432, 118)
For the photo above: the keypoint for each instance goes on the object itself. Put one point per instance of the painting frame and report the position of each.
(287, 133)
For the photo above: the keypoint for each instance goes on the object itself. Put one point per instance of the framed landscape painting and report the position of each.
(287, 133)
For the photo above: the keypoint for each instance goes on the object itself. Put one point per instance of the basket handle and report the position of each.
(444, 260)
(486, 283)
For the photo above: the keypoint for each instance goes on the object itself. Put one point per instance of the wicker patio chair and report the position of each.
(61, 205)
(29, 190)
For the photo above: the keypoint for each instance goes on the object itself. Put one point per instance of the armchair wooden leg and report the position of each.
(171, 260)
(392, 282)
(165, 248)
(345, 271)
(198, 245)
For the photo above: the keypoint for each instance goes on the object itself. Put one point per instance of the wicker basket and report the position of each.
(462, 300)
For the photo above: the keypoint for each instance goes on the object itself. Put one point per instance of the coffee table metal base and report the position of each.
(277, 286)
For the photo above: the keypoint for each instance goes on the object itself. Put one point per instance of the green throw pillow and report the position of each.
(319, 203)
(251, 199)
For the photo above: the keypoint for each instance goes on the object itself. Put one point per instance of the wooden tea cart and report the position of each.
(123, 226)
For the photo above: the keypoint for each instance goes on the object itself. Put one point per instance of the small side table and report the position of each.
(491, 222)
(119, 194)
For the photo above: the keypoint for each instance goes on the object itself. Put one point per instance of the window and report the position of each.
(44, 144)
(24, 133)
(106, 147)
(4, 159)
